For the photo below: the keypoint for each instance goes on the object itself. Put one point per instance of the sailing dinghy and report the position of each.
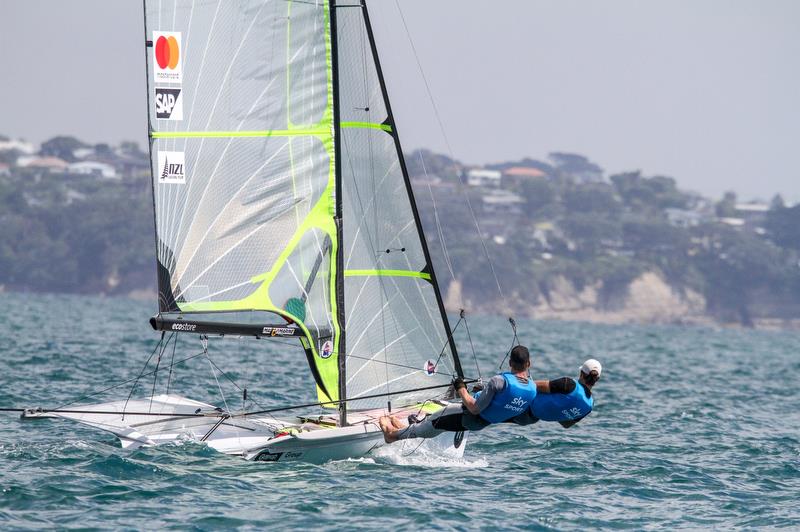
(283, 209)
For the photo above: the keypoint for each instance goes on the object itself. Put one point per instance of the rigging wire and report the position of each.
(123, 383)
(465, 194)
(160, 344)
(172, 364)
(514, 342)
(245, 394)
(439, 230)
(219, 414)
(450, 150)
(472, 347)
(155, 372)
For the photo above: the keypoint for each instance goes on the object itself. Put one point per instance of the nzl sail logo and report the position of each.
(167, 56)
(169, 104)
(171, 167)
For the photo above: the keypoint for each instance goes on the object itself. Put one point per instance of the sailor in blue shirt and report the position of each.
(505, 396)
(565, 400)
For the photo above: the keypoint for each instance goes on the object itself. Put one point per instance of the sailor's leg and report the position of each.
(433, 425)
(423, 429)
(398, 423)
(391, 426)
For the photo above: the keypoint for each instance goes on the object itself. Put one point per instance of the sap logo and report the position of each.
(184, 327)
(171, 167)
(169, 104)
(572, 413)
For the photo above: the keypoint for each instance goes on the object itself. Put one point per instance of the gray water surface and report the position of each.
(692, 428)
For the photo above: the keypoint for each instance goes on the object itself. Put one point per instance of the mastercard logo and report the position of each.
(167, 52)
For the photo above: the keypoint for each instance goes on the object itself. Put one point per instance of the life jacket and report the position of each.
(509, 402)
(562, 407)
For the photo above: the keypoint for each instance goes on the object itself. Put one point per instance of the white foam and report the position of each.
(435, 452)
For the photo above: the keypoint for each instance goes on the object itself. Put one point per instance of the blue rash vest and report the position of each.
(561, 406)
(509, 402)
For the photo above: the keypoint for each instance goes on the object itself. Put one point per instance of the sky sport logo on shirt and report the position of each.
(171, 167)
(169, 104)
(167, 56)
(517, 405)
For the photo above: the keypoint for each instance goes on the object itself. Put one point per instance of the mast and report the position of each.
(339, 282)
(409, 190)
(148, 44)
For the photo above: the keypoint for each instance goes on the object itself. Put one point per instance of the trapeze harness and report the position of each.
(509, 402)
(563, 407)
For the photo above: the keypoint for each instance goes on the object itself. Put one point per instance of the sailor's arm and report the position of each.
(563, 385)
(468, 401)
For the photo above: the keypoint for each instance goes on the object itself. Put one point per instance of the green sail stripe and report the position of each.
(387, 273)
(366, 125)
(300, 132)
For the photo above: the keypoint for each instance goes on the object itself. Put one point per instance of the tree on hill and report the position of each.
(62, 147)
(783, 226)
(572, 162)
(726, 207)
(644, 194)
(425, 162)
(592, 197)
(538, 192)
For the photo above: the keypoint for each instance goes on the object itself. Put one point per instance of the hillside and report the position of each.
(566, 240)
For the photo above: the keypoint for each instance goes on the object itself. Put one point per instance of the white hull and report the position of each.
(266, 439)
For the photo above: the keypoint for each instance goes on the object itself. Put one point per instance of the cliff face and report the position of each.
(648, 299)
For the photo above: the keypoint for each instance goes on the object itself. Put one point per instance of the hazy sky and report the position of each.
(706, 91)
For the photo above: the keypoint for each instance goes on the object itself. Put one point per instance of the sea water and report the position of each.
(693, 428)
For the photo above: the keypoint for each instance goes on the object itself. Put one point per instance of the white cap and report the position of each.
(591, 365)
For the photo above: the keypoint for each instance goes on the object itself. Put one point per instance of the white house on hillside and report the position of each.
(93, 168)
(480, 177)
(19, 145)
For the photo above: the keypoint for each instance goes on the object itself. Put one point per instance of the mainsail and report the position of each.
(282, 203)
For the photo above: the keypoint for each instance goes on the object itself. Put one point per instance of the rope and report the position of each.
(439, 230)
(123, 383)
(471, 346)
(446, 343)
(155, 372)
(172, 364)
(514, 342)
(159, 344)
(450, 152)
(470, 208)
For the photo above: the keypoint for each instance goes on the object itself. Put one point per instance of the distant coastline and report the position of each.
(567, 241)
